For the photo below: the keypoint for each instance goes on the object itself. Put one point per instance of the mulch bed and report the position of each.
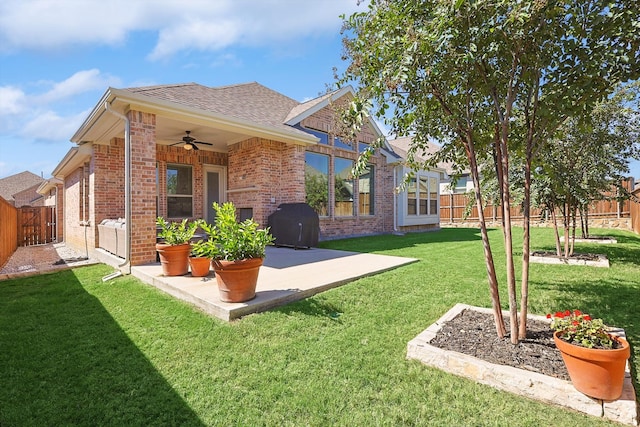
(474, 333)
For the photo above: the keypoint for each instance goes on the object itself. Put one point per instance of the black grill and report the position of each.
(295, 224)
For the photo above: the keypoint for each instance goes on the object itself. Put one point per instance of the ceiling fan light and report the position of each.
(188, 147)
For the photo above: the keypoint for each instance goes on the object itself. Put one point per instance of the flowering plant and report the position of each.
(580, 329)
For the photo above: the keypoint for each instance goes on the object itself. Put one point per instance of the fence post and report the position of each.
(450, 207)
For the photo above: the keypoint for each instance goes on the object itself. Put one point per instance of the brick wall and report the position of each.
(74, 232)
(263, 174)
(143, 187)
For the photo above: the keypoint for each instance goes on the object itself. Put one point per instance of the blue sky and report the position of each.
(57, 57)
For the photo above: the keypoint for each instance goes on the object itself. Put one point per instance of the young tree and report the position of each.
(464, 72)
(589, 157)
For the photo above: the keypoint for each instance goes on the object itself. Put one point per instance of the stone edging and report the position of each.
(602, 260)
(519, 381)
(600, 240)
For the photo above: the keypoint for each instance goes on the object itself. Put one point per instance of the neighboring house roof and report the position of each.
(401, 147)
(17, 183)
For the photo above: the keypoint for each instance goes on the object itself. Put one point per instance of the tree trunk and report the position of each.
(573, 230)
(585, 229)
(488, 256)
(503, 155)
(556, 233)
(566, 224)
(526, 248)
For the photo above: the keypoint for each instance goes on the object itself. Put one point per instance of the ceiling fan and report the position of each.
(189, 143)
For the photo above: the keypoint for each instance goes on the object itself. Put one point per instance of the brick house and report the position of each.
(191, 145)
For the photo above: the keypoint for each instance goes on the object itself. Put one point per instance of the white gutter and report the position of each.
(127, 188)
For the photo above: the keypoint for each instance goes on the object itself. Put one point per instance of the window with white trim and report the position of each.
(422, 195)
(179, 191)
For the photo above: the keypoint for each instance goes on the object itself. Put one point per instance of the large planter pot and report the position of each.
(237, 280)
(174, 258)
(597, 373)
(200, 266)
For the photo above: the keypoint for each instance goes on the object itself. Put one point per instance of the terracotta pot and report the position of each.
(199, 266)
(174, 258)
(597, 373)
(237, 280)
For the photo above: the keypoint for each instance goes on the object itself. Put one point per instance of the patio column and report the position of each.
(143, 187)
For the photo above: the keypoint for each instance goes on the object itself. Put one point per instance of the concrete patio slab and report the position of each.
(287, 275)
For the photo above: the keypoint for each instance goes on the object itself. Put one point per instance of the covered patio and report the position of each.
(287, 275)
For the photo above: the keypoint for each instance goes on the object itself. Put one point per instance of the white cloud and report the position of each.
(80, 82)
(194, 25)
(50, 113)
(12, 100)
(49, 126)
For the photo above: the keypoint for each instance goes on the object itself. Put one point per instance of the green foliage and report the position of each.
(231, 240)
(580, 329)
(176, 233)
(490, 80)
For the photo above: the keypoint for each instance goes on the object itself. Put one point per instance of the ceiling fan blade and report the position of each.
(203, 143)
(194, 146)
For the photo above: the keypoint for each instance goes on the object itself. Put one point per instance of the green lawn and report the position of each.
(77, 351)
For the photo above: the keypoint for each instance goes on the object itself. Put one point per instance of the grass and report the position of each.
(77, 351)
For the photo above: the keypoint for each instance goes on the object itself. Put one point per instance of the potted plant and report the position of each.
(595, 359)
(237, 250)
(200, 258)
(174, 246)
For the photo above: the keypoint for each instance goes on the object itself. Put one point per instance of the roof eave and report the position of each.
(75, 157)
(123, 101)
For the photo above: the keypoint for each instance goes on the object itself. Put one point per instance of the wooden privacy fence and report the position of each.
(36, 225)
(453, 206)
(635, 212)
(8, 230)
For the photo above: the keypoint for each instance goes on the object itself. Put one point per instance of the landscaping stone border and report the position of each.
(519, 381)
(600, 240)
(602, 260)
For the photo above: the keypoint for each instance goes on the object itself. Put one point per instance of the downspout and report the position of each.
(395, 199)
(126, 265)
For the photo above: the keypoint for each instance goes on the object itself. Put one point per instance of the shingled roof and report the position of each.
(16, 183)
(248, 101)
(401, 147)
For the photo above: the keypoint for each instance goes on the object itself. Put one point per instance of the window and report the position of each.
(411, 197)
(316, 182)
(461, 184)
(324, 137)
(343, 185)
(366, 192)
(179, 191)
(433, 196)
(362, 147)
(422, 196)
(339, 143)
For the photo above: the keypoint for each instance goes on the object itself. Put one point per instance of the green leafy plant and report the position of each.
(176, 233)
(231, 240)
(580, 329)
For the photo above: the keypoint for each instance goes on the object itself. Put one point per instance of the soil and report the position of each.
(474, 333)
